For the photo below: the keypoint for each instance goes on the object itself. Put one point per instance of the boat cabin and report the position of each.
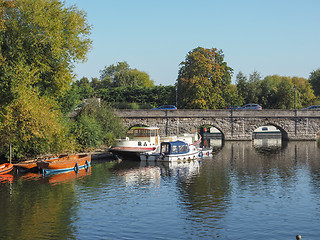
(143, 132)
(176, 147)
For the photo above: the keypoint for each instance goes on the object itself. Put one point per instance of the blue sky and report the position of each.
(269, 36)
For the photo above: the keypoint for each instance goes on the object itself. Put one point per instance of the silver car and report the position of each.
(250, 106)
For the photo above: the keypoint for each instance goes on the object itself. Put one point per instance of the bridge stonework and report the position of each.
(233, 124)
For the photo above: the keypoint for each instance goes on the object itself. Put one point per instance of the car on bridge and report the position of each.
(250, 106)
(166, 107)
(232, 107)
(313, 107)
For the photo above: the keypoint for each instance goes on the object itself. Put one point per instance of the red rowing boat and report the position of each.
(68, 163)
(5, 168)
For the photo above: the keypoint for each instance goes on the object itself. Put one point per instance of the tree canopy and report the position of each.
(314, 79)
(203, 77)
(278, 92)
(121, 75)
(39, 43)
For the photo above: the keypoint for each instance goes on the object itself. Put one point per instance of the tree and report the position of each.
(84, 88)
(243, 86)
(278, 92)
(40, 41)
(202, 78)
(46, 36)
(97, 125)
(121, 75)
(33, 124)
(231, 96)
(314, 80)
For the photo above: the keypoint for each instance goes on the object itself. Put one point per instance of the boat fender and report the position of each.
(208, 153)
(87, 164)
(200, 154)
(76, 168)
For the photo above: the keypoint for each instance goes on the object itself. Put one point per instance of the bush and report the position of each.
(97, 125)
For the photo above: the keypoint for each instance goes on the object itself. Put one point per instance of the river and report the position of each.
(243, 191)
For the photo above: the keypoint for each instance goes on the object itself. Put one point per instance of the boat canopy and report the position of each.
(176, 147)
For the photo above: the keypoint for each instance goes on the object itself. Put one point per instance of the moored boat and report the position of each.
(6, 168)
(139, 140)
(172, 151)
(147, 139)
(65, 164)
(31, 165)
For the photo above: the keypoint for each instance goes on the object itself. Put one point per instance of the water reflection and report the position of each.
(240, 191)
(151, 172)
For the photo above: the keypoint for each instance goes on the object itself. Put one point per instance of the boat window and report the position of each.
(139, 143)
(182, 148)
(145, 144)
(174, 149)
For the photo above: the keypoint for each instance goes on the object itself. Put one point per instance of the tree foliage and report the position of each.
(148, 97)
(39, 43)
(202, 79)
(314, 80)
(275, 91)
(121, 75)
(97, 125)
(33, 124)
(47, 37)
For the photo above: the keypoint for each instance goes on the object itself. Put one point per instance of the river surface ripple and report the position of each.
(241, 192)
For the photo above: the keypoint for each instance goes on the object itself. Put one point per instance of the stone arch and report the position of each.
(284, 133)
(213, 124)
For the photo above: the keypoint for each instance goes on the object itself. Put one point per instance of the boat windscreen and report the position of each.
(165, 148)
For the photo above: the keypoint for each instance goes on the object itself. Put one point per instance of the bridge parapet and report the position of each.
(234, 124)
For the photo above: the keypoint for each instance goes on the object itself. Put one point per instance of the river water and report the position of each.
(243, 191)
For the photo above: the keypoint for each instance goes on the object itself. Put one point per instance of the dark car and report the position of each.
(166, 107)
(313, 107)
(232, 107)
(251, 106)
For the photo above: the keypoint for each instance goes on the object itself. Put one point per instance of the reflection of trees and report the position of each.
(39, 207)
(36, 211)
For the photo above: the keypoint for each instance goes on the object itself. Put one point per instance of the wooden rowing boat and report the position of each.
(64, 164)
(30, 165)
(5, 168)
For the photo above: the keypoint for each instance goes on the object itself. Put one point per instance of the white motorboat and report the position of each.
(172, 151)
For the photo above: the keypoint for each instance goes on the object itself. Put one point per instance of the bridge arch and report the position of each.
(235, 125)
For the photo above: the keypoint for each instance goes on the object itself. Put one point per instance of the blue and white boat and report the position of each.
(172, 151)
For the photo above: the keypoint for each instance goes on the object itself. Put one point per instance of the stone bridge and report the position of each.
(233, 124)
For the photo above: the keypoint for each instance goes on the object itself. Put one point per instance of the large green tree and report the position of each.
(202, 79)
(314, 79)
(121, 75)
(39, 43)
